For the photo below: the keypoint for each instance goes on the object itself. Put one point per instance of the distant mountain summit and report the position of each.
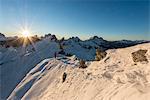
(75, 39)
(50, 37)
(96, 37)
(2, 37)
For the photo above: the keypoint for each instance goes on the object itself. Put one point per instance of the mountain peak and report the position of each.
(96, 37)
(2, 37)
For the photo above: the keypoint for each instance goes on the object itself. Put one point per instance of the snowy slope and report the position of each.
(19, 61)
(86, 49)
(116, 77)
(83, 49)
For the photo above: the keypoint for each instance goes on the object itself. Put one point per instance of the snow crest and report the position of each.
(116, 77)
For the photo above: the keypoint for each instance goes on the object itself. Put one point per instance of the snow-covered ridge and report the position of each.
(116, 77)
(18, 61)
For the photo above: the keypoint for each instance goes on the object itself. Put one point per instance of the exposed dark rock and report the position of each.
(82, 64)
(100, 55)
(139, 56)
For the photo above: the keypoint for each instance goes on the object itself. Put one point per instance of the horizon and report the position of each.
(110, 19)
(66, 38)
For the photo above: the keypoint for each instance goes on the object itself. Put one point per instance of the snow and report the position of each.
(2, 37)
(116, 77)
(17, 62)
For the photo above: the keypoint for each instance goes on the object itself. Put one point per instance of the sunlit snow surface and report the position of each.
(116, 77)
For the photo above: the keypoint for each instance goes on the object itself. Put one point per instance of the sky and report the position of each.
(110, 19)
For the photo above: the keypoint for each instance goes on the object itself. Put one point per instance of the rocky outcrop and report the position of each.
(139, 56)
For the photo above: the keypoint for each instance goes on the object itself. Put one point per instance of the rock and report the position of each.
(82, 64)
(100, 55)
(139, 56)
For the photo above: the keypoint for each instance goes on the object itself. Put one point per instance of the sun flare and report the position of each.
(26, 33)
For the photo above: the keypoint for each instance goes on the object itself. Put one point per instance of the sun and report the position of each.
(26, 33)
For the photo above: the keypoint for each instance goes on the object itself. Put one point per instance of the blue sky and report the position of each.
(111, 19)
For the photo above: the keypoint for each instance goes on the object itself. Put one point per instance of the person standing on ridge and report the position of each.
(55, 54)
